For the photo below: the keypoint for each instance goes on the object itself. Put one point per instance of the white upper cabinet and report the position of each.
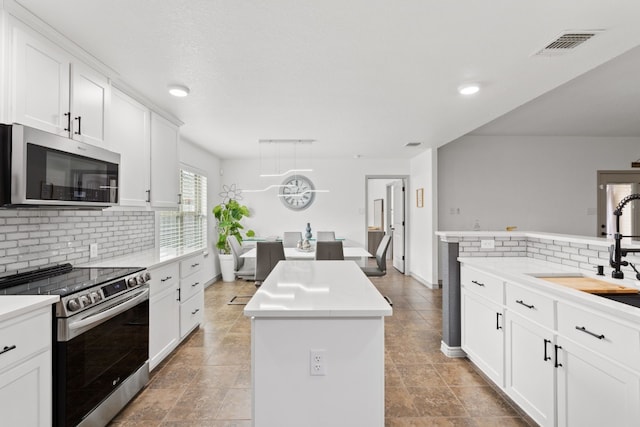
(55, 93)
(130, 136)
(90, 100)
(164, 163)
(40, 83)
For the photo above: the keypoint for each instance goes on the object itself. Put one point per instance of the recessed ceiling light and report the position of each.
(179, 90)
(469, 89)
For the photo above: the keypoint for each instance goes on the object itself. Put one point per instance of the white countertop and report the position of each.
(452, 236)
(147, 259)
(521, 270)
(317, 289)
(15, 305)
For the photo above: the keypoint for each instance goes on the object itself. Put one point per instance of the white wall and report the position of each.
(198, 158)
(535, 183)
(423, 245)
(341, 210)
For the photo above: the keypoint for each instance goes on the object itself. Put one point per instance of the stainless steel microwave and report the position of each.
(40, 169)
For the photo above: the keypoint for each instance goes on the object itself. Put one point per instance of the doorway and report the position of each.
(385, 213)
(613, 186)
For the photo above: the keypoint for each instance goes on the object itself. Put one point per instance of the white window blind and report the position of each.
(186, 228)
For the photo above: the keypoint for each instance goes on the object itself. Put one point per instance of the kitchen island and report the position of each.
(317, 346)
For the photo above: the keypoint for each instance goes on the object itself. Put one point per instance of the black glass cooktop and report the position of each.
(61, 279)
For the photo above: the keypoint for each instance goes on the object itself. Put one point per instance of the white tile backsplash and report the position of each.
(33, 238)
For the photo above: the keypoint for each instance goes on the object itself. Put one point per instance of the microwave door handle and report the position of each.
(109, 313)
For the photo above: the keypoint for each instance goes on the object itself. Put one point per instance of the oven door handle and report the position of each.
(110, 312)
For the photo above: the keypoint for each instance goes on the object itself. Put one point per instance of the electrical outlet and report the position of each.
(93, 250)
(318, 362)
(487, 244)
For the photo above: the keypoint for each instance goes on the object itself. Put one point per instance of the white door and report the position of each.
(398, 225)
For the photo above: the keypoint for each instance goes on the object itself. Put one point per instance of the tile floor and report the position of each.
(206, 381)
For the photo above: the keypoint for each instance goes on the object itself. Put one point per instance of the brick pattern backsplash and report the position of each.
(32, 238)
(504, 247)
(577, 255)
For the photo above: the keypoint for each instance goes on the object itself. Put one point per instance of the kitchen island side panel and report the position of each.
(286, 394)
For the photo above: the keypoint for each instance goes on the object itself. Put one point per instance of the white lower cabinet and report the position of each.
(191, 293)
(564, 364)
(176, 305)
(530, 372)
(26, 370)
(594, 391)
(164, 313)
(483, 334)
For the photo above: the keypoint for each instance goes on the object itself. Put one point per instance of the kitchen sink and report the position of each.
(629, 299)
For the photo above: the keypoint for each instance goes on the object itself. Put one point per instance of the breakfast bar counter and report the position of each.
(317, 346)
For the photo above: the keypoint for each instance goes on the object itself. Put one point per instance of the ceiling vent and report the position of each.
(566, 42)
(413, 144)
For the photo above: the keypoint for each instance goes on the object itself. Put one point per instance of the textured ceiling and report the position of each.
(360, 76)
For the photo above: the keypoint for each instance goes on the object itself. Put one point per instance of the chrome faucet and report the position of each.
(616, 251)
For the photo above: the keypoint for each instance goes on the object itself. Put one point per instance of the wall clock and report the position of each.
(296, 193)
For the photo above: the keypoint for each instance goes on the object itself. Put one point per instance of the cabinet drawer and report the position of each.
(481, 283)
(601, 334)
(25, 335)
(191, 285)
(530, 304)
(191, 265)
(164, 277)
(191, 312)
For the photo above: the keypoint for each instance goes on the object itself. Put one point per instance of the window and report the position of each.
(186, 228)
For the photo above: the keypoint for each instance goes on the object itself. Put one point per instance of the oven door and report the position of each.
(112, 345)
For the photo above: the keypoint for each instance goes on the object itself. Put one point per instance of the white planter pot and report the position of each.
(226, 267)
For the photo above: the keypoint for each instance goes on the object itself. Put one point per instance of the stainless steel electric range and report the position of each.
(100, 335)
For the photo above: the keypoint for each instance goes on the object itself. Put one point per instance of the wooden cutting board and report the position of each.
(591, 285)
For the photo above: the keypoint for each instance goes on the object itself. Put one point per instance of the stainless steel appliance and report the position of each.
(101, 337)
(42, 169)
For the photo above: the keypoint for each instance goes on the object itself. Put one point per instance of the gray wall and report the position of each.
(534, 183)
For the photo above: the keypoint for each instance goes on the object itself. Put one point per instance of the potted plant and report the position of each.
(228, 215)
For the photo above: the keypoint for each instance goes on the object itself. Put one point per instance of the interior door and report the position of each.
(613, 186)
(398, 190)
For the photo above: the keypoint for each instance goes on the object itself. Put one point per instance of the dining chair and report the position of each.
(243, 268)
(329, 250)
(381, 259)
(325, 236)
(268, 254)
(290, 239)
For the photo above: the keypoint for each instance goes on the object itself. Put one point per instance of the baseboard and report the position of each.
(423, 282)
(453, 352)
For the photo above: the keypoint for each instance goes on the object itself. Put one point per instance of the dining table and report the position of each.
(350, 252)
